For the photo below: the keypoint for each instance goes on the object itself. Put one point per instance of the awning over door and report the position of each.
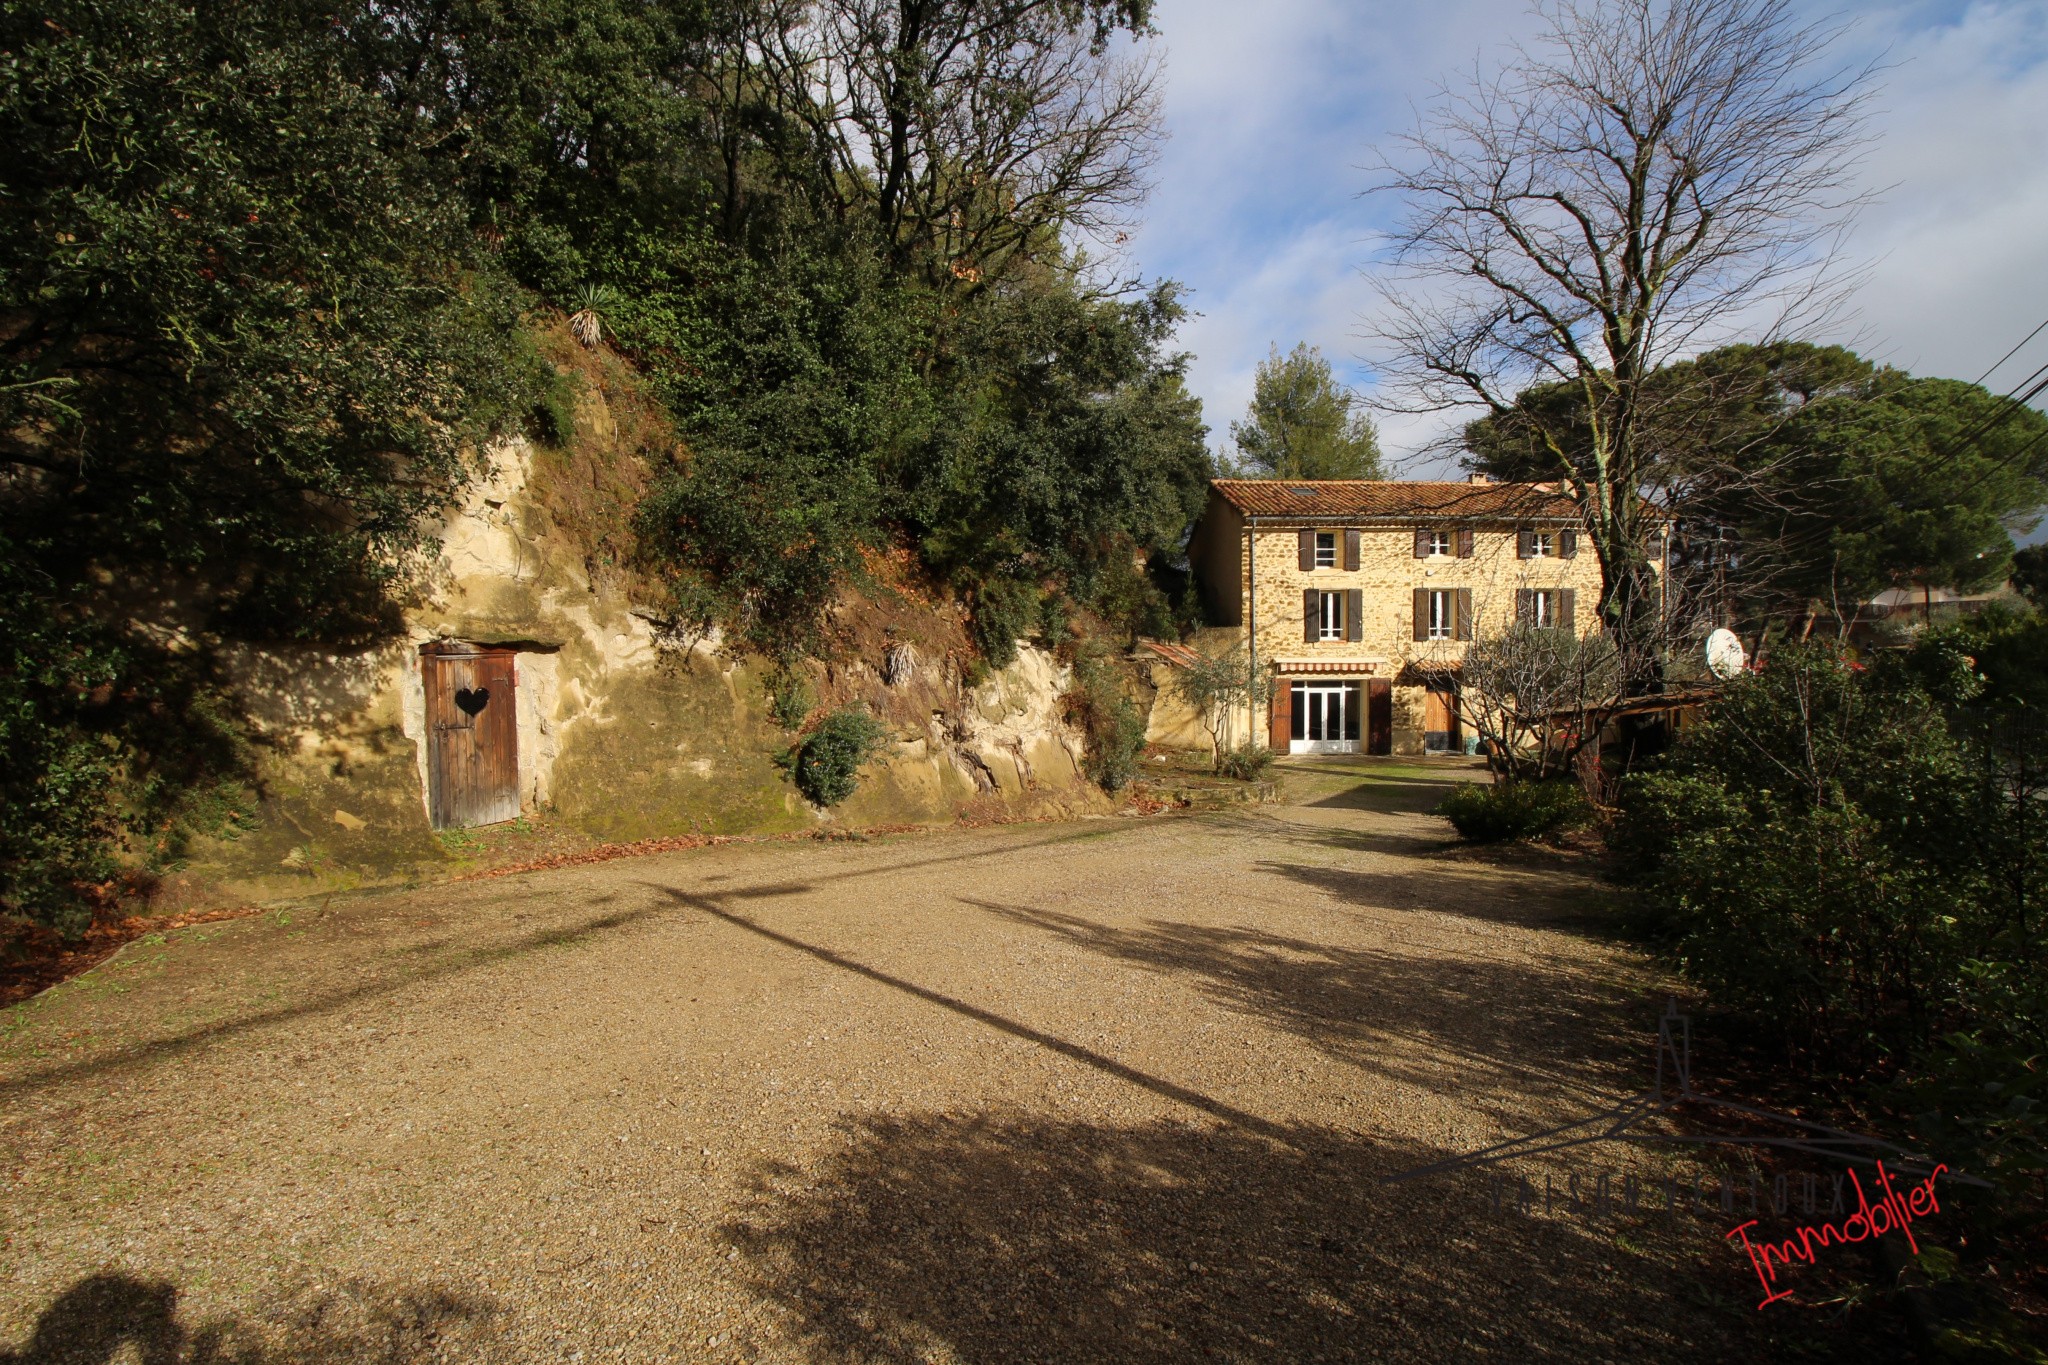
(1347, 667)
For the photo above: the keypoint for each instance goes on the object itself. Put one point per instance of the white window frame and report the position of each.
(1326, 549)
(1543, 608)
(1439, 542)
(1443, 614)
(1542, 544)
(1330, 616)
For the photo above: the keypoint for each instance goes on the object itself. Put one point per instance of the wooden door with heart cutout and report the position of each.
(472, 735)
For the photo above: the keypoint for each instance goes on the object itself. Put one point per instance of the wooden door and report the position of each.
(1439, 720)
(1379, 716)
(472, 736)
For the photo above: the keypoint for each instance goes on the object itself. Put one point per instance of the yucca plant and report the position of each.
(593, 303)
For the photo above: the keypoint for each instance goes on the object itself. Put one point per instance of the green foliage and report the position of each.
(1852, 856)
(2030, 573)
(1248, 762)
(553, 419)
(788, 377)
(1055, 620)
(1808, 848)
(1303, 424)
(1216, 684)
(1515, 810)
(1061, 434)
(246, 345)
(249, 353)
(1003, 611)
(113, 752)
(826, 765)
(791, 698)
(269, 270)
(1114, 726)
(1834, 478)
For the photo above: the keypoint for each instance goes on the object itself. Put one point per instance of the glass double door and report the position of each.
(1326, 718)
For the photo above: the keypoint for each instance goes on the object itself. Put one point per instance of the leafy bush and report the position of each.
(790, 698)
(1004, 610)
(113, 752)
(1851, 854)
(1515, 810)
(1247, 762)
(1114, 727)
(826, 765)
(1812, 853)
(1055, 620)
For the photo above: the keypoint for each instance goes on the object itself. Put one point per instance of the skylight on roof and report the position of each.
(1303, 492)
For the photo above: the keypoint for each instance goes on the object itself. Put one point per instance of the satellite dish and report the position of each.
(1725, 656)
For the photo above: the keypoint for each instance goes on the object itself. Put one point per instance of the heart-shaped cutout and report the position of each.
(472, 701)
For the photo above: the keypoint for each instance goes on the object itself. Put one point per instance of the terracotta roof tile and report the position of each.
(1396, 498)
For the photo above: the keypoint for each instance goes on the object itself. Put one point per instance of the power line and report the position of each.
(2008, 406)
(2014, 351)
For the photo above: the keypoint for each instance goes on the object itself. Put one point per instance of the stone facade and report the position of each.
(1248, 553)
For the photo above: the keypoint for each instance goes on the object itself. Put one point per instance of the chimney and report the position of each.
(1478, 478)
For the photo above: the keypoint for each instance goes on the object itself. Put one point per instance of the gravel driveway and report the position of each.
(1117, 1090)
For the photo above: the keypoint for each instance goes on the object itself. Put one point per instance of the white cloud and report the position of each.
(1274, 110)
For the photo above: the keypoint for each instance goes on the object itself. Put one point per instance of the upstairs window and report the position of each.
(1330, 617)
(1443, 615)
(1546, 608)
(1439, 542)
(1542, 544)
(1326, 549)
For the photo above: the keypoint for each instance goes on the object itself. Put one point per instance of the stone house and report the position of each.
(1358, 599)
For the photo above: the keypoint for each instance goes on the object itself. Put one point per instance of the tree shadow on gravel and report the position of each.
(441, 960)
(109, 1317)
(1490, 1028)
(1478, 891)
(938, 1237)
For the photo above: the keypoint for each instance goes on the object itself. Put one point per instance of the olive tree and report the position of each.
(1215, 686)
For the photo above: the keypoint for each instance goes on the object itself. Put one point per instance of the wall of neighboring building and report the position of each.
(1387, 576)
(1216, 556)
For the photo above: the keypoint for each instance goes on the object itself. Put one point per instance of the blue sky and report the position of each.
(1273, 109)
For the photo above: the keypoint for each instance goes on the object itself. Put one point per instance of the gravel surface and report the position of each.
(1120, 1089)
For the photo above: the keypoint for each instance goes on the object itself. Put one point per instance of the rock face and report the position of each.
(618, 737)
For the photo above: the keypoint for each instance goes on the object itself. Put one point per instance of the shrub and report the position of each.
(1515, 810)
(1247, 762)
(827, 764)
(1114, 726)
(790, 698)
(1814, 853)
(1004, 611)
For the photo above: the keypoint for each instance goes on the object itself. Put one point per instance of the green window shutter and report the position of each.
(1308, 551)
(1311, 611)
(1464, 543)
(1568, 610)
(1463, 602)
(1525, 544)
(1525, 606)
(1354, 612)
(1422, 613)
(1351, 550)
(1567, 544)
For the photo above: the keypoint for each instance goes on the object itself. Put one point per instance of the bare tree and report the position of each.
(968, 130)
(1650, 177)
